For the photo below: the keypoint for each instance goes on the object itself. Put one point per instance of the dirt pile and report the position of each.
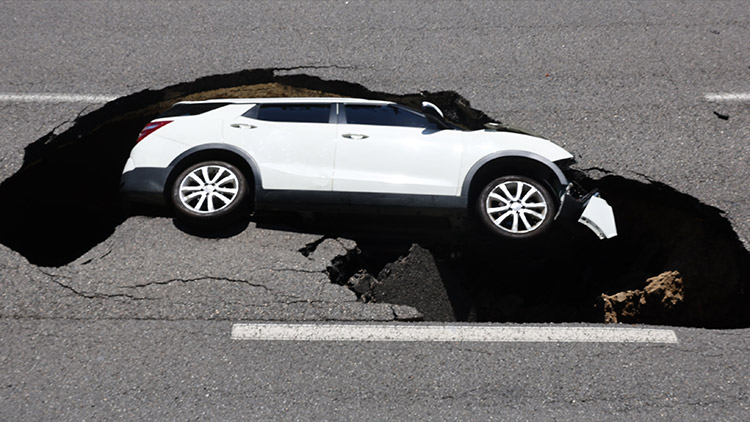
(659, 302)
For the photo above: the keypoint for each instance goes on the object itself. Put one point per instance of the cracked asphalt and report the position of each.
(138, 327)
(267, 279)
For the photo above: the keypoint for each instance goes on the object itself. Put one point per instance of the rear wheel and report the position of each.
(209, 191)
(516, 207)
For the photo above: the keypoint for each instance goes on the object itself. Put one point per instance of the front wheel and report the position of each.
(208, 191)
(516, 207)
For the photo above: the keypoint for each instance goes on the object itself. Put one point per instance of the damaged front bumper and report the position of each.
(590, 210)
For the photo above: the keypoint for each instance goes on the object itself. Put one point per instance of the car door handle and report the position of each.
(242, 126)
(354, 136)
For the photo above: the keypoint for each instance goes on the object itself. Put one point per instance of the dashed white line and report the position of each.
(728, 97)
(448, 333)
(56, 98)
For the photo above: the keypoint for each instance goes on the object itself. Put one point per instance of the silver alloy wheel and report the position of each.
(516, 207)
(208, 189)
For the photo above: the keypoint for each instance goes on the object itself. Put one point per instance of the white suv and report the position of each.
(210, 158)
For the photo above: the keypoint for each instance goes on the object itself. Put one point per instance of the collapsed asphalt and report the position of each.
(74, 176)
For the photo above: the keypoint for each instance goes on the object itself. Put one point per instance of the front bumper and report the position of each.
(590, 210)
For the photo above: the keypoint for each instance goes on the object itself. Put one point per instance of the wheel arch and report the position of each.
(507, 163)
(229, 153)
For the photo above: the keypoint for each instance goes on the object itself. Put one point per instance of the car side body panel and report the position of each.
(351, 167)
(289, 155)
(406, 160)
(156, 151)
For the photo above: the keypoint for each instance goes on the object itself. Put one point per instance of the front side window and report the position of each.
(295, 113)
(385, 115)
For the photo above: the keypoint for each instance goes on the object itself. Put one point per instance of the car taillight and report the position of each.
(149, 128)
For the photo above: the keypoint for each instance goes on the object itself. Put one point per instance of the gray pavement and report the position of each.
(256, 275)
(621, 85)
(192, 370)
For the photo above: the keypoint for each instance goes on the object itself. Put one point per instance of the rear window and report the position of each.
(385, 115)
(295, 113)
(179, 110)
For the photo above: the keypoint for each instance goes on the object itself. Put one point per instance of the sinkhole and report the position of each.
(676, 260)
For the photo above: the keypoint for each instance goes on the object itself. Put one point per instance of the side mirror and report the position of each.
(432, 110)
(434, 114)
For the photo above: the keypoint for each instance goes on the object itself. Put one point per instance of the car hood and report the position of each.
(493, 140)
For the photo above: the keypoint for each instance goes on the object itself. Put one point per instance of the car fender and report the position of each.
(223, 147)
(561, 179)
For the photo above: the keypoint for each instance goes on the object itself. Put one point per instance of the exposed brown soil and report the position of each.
(262, 90)
(659, 302)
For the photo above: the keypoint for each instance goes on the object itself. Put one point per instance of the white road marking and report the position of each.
(728, 97)
(448, 333)
(56, 98)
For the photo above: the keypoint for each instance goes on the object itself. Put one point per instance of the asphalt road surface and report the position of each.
(138, 328)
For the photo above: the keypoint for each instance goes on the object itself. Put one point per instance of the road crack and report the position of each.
(88, 295)
(195, 279)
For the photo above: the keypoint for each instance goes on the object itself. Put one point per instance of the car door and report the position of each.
(293, 144)
(392, 149)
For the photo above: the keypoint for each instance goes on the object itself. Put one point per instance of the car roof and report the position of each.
(290, 100)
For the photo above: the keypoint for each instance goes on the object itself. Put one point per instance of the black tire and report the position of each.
(209, 191)
(516, 207)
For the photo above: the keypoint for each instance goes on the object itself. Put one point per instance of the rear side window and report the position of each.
(296, 113)
(385, 115)
(179, 110)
